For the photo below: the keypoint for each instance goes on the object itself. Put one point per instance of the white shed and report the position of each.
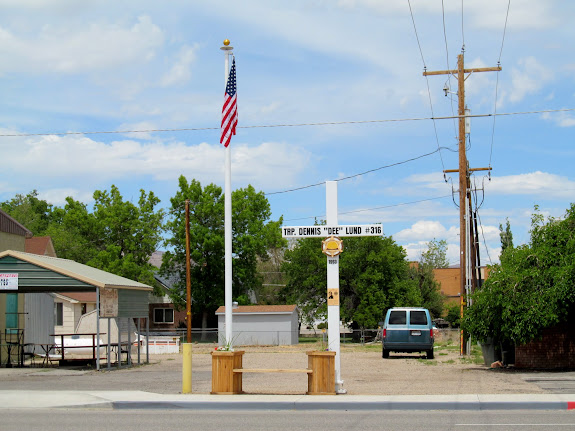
(255, 325)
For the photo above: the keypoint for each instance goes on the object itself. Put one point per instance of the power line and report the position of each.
(462, 32)
(497, 83)
(374, 208)
(427, 82)
(504, 29)
(330, 123)
(483, 235)
(354, 175)
(447, 61)
(416, 35)
(391, 165)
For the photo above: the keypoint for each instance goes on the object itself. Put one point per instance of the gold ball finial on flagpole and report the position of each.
(227, 47)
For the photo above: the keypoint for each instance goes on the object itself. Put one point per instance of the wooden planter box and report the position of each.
(224, 381)
(322, 379)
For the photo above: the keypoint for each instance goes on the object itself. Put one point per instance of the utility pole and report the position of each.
(463, 169)
(187, 346)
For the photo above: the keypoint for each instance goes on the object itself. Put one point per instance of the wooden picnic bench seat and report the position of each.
(272, 370)
(227, 372)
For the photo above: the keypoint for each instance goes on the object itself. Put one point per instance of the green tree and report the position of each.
(436, 254)
(273, 278)
(118, 236)
(305, 269)
(374, 276)
(74, 232)
(253, 233)
(434, 257)
(453, 314)
(506, 236)
(129, 234)
(29, 211)
(532, 287)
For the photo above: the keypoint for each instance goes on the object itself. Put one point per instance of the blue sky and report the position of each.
(89, 66)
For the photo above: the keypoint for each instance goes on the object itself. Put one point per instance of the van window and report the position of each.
(417, 318)
(397, 318)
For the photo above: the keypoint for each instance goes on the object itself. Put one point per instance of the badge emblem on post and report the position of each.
(332, 246)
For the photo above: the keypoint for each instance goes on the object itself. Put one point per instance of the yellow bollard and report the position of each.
(187, 368)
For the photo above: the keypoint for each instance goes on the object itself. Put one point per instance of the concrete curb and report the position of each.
(359, 403)
(138, 400)
(367, 406)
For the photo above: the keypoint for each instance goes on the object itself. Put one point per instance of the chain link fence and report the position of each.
(347, 336)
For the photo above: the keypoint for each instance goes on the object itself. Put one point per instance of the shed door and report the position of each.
(11, 311)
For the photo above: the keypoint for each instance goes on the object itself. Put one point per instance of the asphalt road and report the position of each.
(555, 383)
(89, 420)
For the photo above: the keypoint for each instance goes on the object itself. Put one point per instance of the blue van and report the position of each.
(408, 330)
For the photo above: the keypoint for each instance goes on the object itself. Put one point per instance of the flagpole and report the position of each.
(228, 220)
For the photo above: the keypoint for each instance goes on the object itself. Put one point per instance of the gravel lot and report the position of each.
(363, 370)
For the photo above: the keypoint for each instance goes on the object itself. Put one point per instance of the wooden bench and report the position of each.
(310, 380)
(227, 372)
(272, 370)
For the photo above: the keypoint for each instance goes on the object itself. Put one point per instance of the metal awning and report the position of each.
(32, 273)
(38, 273)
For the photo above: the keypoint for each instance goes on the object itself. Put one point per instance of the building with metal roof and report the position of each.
(116, 297)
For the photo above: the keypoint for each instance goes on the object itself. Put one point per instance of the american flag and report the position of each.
(230, 109)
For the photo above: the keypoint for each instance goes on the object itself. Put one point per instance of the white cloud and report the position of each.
(490, 233)
(415, 239)
(538, 184)
(429, 181)
(58, 196)
(180, 71)
(426, 230)
(267, 165)
(562, 119)
(144, 135)
(414, 251)
(528, 78)
(523, 14)
(482, 14)
(65, 49)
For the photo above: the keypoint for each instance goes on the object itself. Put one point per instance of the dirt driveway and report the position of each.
(363, 370)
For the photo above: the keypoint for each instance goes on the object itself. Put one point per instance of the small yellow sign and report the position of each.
(332, 246)
(332, 296)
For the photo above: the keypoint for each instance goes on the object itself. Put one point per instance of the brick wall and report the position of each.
(556, 349)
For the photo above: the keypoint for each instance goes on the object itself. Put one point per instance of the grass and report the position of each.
(474, 357)
(309, 340)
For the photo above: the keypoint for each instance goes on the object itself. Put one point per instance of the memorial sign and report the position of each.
(332, 247)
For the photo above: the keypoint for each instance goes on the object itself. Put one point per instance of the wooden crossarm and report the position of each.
(272, 370)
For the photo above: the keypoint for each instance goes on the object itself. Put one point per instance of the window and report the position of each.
(58, 313)
(163, 315)
(397, 318)
(417, 318)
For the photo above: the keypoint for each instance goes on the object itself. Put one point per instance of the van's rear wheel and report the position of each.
(430, 354)
(385, 353)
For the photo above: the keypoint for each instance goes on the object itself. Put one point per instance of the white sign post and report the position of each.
(332, 229)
